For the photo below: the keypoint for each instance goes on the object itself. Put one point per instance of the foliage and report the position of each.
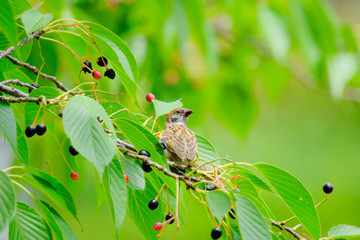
(109, 135)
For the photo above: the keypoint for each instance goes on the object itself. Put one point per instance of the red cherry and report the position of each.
(218, 183)
(126, 178)
(150, 97)
(157, 226)
(96, 74)
(74, 176)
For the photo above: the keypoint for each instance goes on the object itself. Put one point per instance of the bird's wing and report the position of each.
(180, 141)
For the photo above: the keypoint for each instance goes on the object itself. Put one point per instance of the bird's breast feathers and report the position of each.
(180, 141)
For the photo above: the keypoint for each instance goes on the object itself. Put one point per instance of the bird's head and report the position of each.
(178, 116)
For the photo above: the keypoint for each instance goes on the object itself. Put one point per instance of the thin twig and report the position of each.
(288, 229)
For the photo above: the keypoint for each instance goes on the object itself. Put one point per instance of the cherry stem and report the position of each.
(43, 118)
(160, 191)
(37, 115)
(231, 178)
(93, 42)
(168, 198)
(62, 154)
(227, 233)
(95, 93)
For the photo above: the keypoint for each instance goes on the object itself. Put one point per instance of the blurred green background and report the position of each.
(270, 81)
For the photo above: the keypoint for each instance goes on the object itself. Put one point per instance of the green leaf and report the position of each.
(34, 20)
(344, 231)
(67, 232)
(22, 146)
(275, 33)
(219, 203)
(31, 109)
(162, 108)
(116, 110)
(341, 68)
(118, 192)
(205, 148)
(52, 188)
(295, 195)
(19, 6)
(245, 173)
(142, 139)
(49, 219)
(135, 173)
(7, 22)
(119, 56)
(87, 135)
(27, 224)
(7, 200)
(252, 224)
(8, 125)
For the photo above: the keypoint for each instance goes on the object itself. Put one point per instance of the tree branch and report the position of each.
(34, 70)
(288, 229)
(12, 91)
(11, 49)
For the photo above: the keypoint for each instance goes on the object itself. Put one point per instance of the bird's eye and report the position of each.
(177, 111)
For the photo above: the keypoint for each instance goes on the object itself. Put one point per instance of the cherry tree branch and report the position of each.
(11, 49)
(288, 229)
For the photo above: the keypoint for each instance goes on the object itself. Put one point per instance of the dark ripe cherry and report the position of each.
(210, 187)
(110, 73)
(232, 213)
(216, 233)
(34, 85)
(167, 217)
(102, 62)
(30, 131)
(73, 151)
(144, 153)
(328, 188)
(40, 129)
(86, 69)
(153, 204)
(146, 167)
(163, 144)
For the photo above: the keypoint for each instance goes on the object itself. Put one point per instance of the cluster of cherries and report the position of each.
(102, 62)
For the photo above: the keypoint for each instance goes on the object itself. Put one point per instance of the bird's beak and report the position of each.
(188, 112)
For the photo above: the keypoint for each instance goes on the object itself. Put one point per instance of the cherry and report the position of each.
(218, 183)
(232, 213)
(157, 226)
(167, 217)
(110, 73)
(74, 176)
(216, 233)
(34, 85)
(86, 69)
(328, 188)
(153, 204)
(73, 151)
(210, 187)
(102, 61)
(150, 97)
(126, 178)
(40, 129)
(96, 74)
(144, 153)
(146, 167)
(30, 131)
(163, 144)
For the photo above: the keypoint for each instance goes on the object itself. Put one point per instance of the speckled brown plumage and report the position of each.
(180, 140)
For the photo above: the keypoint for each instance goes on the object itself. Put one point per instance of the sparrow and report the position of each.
(180, 140)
